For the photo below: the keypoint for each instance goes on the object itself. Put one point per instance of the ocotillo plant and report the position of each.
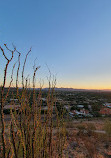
(31, 133)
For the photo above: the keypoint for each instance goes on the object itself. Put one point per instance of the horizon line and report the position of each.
(68, 88)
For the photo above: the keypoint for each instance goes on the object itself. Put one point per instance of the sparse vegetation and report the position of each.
(30, 133)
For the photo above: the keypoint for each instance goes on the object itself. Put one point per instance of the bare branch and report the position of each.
(2, 100)
(3, 53)
(24, 67)
(10, 81)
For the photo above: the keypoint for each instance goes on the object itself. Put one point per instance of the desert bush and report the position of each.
(86, 129)
(91, 146)
(107, 127)
(69, 124)
(30, 135)
(89, 139)
(81, 127)
(91, 127)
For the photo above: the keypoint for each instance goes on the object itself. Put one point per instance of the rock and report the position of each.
(74, 144)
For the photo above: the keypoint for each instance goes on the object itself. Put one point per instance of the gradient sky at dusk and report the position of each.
(73, 37)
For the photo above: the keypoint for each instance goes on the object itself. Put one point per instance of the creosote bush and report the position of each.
(30, 133)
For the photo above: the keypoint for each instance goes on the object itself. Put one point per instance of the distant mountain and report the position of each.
(74, 90)
(66, 89)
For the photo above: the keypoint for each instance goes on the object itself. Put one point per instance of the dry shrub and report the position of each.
(91, 127)
(91, 146)
(30, 136)
(69, 124)
(81, 127)
(88, 138)
(107, 127)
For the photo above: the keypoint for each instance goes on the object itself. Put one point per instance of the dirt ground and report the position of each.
(82, 142)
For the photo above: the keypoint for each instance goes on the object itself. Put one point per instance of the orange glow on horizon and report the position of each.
(93, 86)
(86, 88)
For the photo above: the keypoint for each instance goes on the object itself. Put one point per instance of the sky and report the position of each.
(72, 38)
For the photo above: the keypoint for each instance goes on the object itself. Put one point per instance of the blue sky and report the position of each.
(73, 37)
